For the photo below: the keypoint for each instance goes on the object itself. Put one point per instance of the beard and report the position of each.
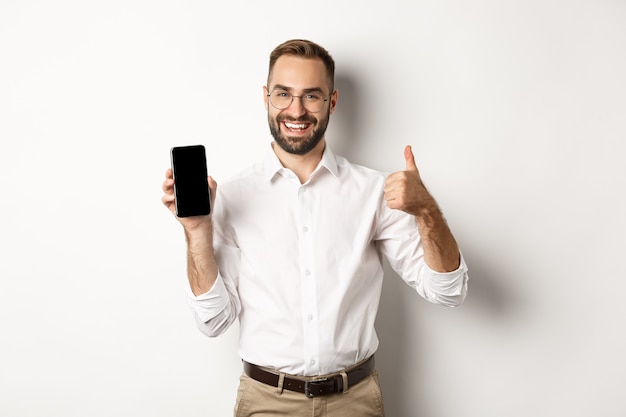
(298, 145)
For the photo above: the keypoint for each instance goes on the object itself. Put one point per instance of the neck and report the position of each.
(302, 165)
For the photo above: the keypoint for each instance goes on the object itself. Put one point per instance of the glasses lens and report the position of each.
(312, 102)
(280, 99)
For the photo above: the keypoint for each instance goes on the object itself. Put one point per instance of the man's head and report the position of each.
(299, 96)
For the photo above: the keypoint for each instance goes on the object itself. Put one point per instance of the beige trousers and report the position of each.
(255, 399)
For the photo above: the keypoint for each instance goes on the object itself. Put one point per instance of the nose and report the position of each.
(296, 107)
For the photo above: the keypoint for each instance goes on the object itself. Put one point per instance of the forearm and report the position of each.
(441, 252)
(201, 265)
(217, 305)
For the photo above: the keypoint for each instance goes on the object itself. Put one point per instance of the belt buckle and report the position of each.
(322, 384)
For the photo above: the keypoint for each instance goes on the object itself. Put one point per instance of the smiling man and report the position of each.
(293, 248)
(298, 127)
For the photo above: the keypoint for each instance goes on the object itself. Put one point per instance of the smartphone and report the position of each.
(191, 187)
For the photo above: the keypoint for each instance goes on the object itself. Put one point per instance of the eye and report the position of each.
(281, 94)
(312, 97)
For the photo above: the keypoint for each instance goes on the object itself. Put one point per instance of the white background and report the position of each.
(517, 114)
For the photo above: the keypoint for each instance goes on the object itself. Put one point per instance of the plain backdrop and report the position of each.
(516, 112)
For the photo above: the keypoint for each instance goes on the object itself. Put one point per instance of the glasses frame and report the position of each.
(269, 97)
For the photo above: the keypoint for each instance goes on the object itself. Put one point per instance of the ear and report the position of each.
(266, 98)
(333, 101)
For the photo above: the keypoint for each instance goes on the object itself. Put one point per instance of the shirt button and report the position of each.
(312, 361)
(309, 317)
(306, 229)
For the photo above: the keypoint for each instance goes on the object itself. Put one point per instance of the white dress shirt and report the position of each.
(300, 265)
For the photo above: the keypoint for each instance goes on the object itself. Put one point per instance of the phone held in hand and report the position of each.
(191, 187)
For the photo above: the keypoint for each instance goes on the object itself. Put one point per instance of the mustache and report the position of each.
(304, 119)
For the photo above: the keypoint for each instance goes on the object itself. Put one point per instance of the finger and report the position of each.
(212, 189)
(168, 200)
(212, 184)
(410, 159)
(168, 185)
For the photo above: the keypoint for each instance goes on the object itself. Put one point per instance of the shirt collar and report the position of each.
(272, 165)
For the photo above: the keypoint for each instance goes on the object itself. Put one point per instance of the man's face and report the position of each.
(296, 129)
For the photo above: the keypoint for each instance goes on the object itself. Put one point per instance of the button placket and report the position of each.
(308, 281)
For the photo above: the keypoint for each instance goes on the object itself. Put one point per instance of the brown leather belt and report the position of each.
(311, 386)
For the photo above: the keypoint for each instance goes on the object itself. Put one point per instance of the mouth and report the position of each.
(296, 127)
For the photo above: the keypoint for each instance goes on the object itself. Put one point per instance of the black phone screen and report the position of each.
(191, 187)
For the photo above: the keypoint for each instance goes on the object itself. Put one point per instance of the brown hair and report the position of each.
(306, 49)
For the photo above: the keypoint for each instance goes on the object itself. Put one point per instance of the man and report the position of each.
(293, 250)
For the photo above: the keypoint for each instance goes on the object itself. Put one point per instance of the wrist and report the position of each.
(428, 211)
(202, 232)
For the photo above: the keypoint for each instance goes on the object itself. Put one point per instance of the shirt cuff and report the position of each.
(448, 286)
(210, 304)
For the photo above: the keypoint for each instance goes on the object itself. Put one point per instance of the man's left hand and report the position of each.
(404, 190)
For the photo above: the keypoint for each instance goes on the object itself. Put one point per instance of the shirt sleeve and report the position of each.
(399, 240)
(210, 304)
(215, 310)
(445, 288)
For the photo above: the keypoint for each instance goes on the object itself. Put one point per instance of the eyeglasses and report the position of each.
(312, 102)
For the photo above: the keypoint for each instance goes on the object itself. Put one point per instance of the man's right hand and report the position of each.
(169, 200)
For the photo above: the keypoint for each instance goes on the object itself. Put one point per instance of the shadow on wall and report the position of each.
(344, 130)
(488, 294)
(398, 359)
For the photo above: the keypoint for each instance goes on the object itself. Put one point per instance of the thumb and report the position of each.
(410, 159)
(212, 185)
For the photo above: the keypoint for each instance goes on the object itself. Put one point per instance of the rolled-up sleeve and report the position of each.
(215, 310)
(209, 305)
(401, 243)
(446, 288)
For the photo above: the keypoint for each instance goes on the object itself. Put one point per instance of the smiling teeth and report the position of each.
(295, 126)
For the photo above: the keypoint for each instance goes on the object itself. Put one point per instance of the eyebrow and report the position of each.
(306, 90)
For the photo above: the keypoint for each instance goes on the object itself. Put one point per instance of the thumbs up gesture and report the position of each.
(404, 190)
